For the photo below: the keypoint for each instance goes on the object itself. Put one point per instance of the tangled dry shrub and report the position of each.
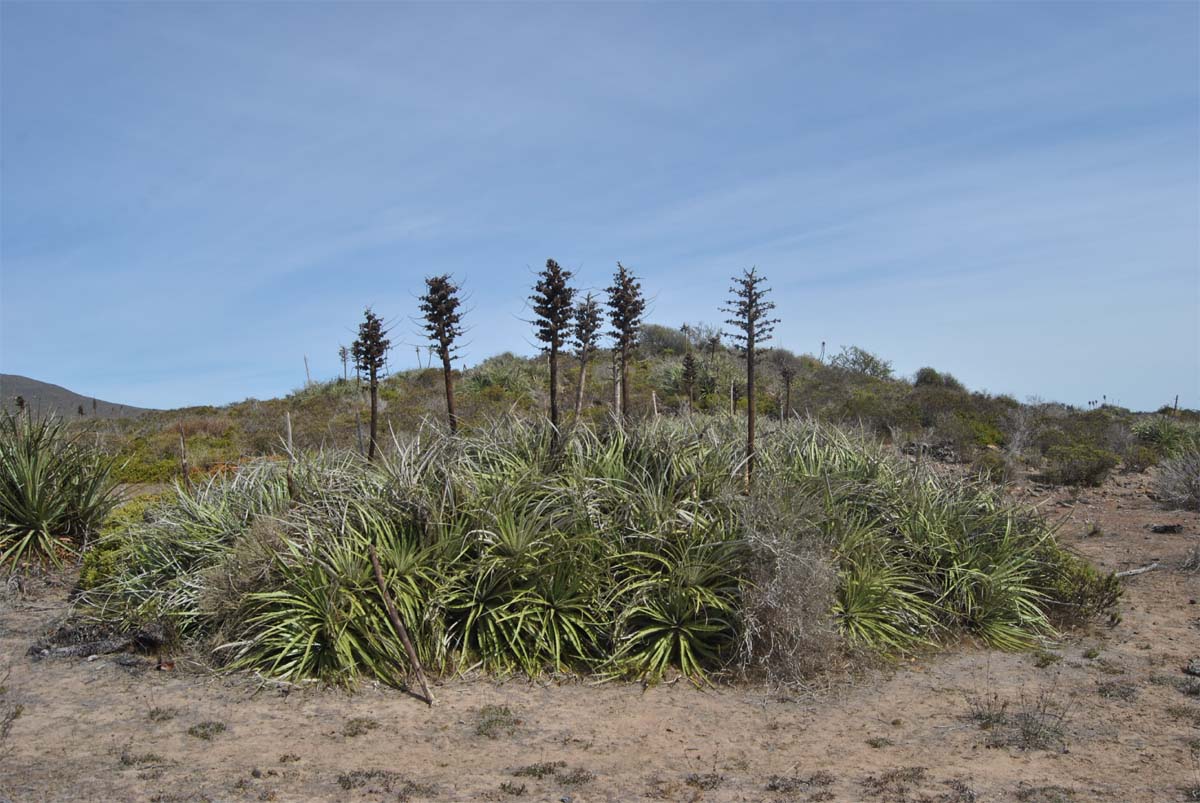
(787, 633)
(1178, 482)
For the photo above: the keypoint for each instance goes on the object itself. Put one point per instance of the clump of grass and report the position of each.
(540, 770)
(512, 789)
(1185, 713)
(359, 726)
(495, 721)
(129, 759)
(879, 742)
(577, 777)
(1037, 723)
(1044, 794)
(1045, 658)
(1091, 653)
(160, 714)
(1117, 691)
(207, 730)
(289, 758)
(792, 784)
(705, 781)
(390, 782)
(55, 490)
(1189, 686)
(893, 784)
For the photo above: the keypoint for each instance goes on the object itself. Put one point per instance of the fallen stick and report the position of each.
(400, 628)
(1143, 570)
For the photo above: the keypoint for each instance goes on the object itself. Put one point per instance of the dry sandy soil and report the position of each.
(1108, 714)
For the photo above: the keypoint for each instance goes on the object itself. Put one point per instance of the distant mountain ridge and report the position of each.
(45, 398)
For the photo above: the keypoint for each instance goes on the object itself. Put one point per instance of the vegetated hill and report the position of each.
(45, 398)
(931, 412)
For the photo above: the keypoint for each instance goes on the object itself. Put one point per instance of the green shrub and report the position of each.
(1167, 435)
(992, 465)
(101, 560)
(1138, 458)
(1080, 464)
(1076, 590)
(54, 490)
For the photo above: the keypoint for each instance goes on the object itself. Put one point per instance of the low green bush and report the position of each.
(101, 560)
(1076, 589)
(992, 465)
(1138, 458)
(1080, 464)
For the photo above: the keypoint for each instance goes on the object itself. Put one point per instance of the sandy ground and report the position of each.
(1130, 731)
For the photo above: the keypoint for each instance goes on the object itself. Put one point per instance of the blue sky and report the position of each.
(195, 197)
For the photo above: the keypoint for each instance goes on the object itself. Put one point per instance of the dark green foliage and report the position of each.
(992, 465)
(1074, 589)
(55, 490)
(100, 562)
(662, 341)
(860, 361)
(1079, 464)
(928, 377)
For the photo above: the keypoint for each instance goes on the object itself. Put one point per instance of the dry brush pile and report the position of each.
(619, 551)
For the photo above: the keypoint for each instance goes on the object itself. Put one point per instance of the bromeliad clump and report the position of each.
(626, 551)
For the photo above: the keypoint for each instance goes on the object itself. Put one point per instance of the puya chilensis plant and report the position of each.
(628, 555)
(552, 307)
(751, 327)
(625, 308)
(443, 325)
(55, 491)
(586, 335)
(370, 355)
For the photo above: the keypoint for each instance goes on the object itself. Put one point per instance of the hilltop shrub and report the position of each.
(928, 377)
(1080, 464)
(55, 490)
